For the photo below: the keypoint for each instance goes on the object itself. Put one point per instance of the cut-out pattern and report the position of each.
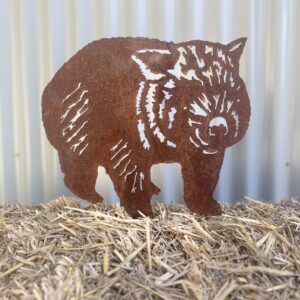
(128, 103)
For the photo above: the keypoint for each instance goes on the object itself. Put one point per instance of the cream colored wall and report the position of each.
(38, 36)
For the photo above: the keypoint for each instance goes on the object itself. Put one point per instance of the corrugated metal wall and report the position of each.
(38, 36)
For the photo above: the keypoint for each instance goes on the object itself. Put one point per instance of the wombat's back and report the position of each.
(106, 71)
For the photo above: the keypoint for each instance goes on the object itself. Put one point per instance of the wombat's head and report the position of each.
(219, 111)
(204, 77)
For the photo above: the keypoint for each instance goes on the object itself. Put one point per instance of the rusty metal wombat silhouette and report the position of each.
(128, 103)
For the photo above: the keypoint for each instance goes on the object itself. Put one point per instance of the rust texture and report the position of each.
(128, 103)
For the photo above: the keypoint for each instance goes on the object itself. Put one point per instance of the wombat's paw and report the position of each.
(206, 207)
(95, 198)
(138, 215)
(214, 208)
(135, 214)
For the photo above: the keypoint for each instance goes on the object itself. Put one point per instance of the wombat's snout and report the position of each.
(218, 127)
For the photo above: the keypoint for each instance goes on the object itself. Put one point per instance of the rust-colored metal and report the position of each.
(128, 103)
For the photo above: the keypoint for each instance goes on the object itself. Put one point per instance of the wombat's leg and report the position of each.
(200, 176)
(138, 193)
(80, 178)
(132, 181)
(135, 190)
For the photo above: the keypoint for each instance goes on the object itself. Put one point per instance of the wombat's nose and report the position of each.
(218, 126)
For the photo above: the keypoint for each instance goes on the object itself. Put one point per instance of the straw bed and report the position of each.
(63, 251)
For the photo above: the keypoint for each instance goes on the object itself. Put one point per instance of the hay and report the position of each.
(62, 251)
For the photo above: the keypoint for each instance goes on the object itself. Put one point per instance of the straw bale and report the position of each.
(64, 251)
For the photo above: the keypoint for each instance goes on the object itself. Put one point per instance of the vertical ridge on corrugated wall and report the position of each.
(31, 94)
(282, 121)
(255, 79)
(19, 103)
(294, 164)
(8, 181)
(37, 37)
(49, 160)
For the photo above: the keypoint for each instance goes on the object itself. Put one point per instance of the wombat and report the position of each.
(128, 103)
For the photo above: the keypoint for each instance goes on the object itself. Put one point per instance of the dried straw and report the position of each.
(62, 251)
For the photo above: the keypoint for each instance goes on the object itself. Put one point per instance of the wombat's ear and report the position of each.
(153, 63)
(235, 48)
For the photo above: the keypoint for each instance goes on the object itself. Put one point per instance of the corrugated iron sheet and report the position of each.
(37, 37)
